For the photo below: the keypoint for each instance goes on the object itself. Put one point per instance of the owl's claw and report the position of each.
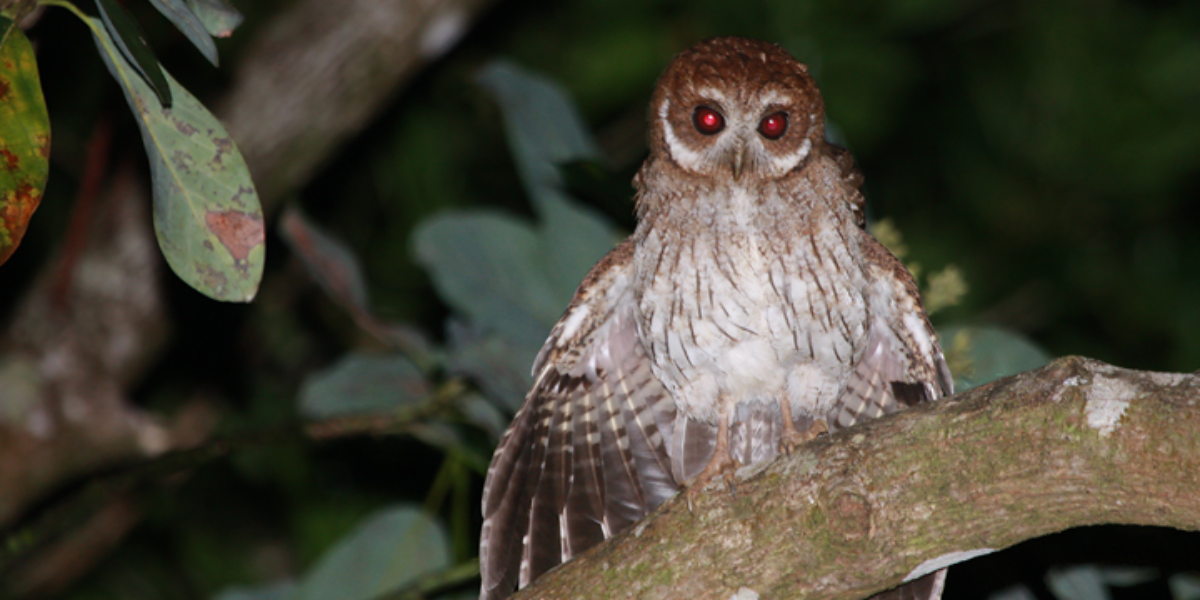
(721, 464)
(792, 439)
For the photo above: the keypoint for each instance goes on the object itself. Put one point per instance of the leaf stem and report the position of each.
(71, 7)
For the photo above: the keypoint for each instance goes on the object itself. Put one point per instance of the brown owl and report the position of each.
(748, 312)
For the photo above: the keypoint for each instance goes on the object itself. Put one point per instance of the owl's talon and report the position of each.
(721, 464)
(724, 466)
(792, 439)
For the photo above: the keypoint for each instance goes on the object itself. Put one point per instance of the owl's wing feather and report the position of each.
(587, 454)
(902, 363)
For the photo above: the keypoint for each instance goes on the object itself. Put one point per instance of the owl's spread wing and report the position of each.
(902, 363)
(586, 455)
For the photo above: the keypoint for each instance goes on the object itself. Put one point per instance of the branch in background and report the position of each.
(321, 71)
(92, 520)
(1076, 443)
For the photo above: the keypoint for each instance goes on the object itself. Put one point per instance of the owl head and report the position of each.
(736, 108)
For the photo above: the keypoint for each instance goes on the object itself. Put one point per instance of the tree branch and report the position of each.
(321, 71)
(1076, 443)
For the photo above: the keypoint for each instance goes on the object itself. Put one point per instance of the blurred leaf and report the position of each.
(386, 551)
(1091, 582)
(281, 590)
(360, 383)
(24, 140)
(326, 258)
(1184, 586)
(219, 18)
(207, 215)
(445, 436)
(544, 130)
(502, 274)
(487, 266)
(546, 133)
(1015, 592)
(191, 26)
(977, 355)
(132, 44)
(337, 270)
(483, 414)
(500, 369)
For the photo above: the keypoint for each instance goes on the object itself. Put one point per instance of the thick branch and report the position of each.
(322, 71)
(1076, 443)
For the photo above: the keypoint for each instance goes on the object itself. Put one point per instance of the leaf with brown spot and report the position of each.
(24, 140)
(239, 232)
(207, 216)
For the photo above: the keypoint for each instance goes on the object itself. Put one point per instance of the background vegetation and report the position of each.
(1049, 149)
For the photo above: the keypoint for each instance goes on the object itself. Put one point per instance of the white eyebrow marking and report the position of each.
(714, 94)
(685, 156)
(774, 97)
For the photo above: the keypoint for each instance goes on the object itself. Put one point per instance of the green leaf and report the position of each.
(280, 590)
(488, 267)
(1184, 586)
(207, 216)
(978, 355)
(511, 280)
(133, 47)
(219, 18)
(24, 140)
(191, 26)
(546, 134)
(500, 368)
(361, 383)
(1092, 582)
(483, 414)
(388, 550)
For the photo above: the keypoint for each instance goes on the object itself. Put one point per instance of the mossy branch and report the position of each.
(1076, 443)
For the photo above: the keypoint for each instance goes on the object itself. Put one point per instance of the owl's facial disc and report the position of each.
(734, 137)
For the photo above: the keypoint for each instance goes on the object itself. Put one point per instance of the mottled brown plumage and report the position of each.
(749, 311)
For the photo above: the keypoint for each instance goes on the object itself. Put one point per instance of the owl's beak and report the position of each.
(737, 161)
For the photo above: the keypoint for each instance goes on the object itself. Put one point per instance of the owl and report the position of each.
(749, 311)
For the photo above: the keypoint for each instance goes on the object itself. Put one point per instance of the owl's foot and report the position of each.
(792, 439)
(721, 464)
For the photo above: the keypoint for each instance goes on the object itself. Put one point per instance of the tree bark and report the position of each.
(1076, 443)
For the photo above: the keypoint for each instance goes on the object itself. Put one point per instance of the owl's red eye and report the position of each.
(773, 126)
(708, 121)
